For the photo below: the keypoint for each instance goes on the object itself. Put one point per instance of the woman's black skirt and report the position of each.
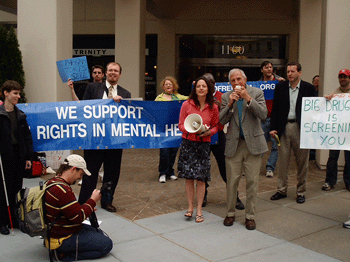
(194, 160)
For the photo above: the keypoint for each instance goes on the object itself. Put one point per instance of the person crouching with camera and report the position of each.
(71, 240)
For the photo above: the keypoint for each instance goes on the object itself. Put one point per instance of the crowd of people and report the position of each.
(252, 123)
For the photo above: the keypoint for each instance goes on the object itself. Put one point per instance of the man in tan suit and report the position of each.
(243, 108)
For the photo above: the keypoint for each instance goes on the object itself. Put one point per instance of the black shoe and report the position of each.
(300, 199)
(278, 196)
(109, 207)
(4, 230)
(239, 204)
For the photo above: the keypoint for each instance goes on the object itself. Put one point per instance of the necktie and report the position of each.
(240, 109)
(110, 92)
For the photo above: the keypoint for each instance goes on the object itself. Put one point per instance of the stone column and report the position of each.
(45, 35)
(130, 44)
(335, 51)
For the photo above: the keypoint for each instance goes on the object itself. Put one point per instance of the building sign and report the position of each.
(227, 49)
(93, 52)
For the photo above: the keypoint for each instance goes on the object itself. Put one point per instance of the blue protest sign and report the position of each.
(267, 86)
(74, 68)
(104, 124)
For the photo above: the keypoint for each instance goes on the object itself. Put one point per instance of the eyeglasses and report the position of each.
(342, 76)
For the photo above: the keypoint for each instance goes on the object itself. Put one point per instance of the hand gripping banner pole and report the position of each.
(7, 200)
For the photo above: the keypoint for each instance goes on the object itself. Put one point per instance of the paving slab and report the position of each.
(286, 252)
(22, 247)
(290, 224)
(334, 242)
(216, 242)
(176, 222)
(328, 206)
(154, 249)
(121, 230)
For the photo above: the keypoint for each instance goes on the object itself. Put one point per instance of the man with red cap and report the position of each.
(332, 163)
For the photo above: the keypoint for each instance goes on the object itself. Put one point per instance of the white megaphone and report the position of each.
(194, 124)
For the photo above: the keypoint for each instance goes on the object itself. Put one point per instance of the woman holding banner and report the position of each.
(167, 155)
(199, 118)
(16, 150)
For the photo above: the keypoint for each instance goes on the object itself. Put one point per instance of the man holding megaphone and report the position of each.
(243, 108)
(199, 118)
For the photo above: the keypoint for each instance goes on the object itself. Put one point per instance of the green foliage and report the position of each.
(11, 66)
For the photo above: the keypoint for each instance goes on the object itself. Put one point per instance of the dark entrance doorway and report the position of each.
(199, 54)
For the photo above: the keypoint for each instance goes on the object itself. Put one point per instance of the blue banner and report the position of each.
(104, 124)
(73, 68)
(267, 86)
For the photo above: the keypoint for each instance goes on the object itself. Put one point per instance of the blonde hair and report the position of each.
(173, 81)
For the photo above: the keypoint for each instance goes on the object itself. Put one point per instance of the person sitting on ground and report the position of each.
(70, 240)
(167, 155)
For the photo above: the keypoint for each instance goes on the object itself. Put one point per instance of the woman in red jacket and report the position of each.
(194, 159)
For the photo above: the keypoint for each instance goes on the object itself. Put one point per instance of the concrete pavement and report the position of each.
(150, 225)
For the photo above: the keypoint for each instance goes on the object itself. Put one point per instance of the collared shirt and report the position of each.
(339, 91)
(293, 96)
(115, 92)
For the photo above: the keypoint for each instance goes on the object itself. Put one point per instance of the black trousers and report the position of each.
(14, 170)
(219, 154)
(111, 158)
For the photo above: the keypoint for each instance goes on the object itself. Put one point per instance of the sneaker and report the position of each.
(346, 224)
(327, 187)
(173, 177)
(162, 179)
(269, 173)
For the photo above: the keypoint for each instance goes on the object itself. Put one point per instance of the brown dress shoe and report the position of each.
(250, 224)
(229, 221)
(109, 207)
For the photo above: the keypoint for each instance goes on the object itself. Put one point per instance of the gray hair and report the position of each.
(234, 70)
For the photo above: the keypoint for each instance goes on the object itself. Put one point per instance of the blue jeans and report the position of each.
(166, 161)
(92, 243)
(332, 167)
(272, 161)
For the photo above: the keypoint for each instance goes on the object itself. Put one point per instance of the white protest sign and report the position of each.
(55, 158)
(325, 124)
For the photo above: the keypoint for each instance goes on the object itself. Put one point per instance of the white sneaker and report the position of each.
(162, 179)
(269, 173)
(346, 224)
(173, 177)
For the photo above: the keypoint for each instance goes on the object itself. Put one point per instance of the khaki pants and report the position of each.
(242, 160)
(290, 140)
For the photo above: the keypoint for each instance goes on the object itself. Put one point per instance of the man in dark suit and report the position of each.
(285, 122)
(243, 108)
(111, 158)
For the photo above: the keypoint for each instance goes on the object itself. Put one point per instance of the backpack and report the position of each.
(30, 203)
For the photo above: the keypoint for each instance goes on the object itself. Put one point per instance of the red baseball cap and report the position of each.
(344, 72)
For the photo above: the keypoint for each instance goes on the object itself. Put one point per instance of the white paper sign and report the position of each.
(55, 158)
(325, 124)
